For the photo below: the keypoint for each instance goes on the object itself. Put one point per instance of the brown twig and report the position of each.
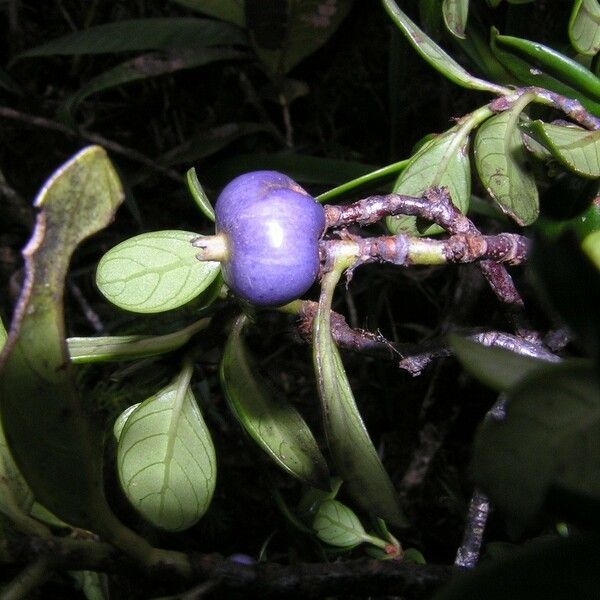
(436, 206)
(569, 106)
(414, 357)
(233, 580)
(94, 138)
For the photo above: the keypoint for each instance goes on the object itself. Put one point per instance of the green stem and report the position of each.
(363, 180)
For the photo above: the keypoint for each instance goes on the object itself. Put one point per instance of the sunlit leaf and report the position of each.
(455, 14)
(352, 451)
(273, 423)
(517, 459)
(336, 525)
(145, 66)
(154, 272)
(576, 148)
(56, 451)
(584, 26)
(434, 55)
(165, 458)
(141, 35)
(498, 368)
(227, 10)
(442, 161)
(130, 347)
(501, 161)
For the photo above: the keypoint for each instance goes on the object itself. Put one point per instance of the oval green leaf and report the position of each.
(497, 368)
(435, 56)
(144, 67)
(584, 27)
(274, 424)
(284, 33)
(576, 148)
(58, 451)
(501, 161)
(352, 451)
(455, 14)
(442, 161)
(154, 272)
(166, 459)
(518, 458)
(337, 525)
(164, 34)
(227, 10)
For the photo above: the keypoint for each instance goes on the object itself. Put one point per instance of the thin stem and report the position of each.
(212, 247)
(371, 177)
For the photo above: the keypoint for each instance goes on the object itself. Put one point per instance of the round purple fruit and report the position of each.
(271, 228)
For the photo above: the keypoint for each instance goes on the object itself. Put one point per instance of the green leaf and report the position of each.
(144, 67)
(497, 368)
(517, 459)
(336, 525)
(537, 65)
(352, 451)
(591, 246)
(576, 148)
(435, 56)
(274, 424)
(227, 10)
(300, 167)
(199, 195)
(94, 586)
(501, 161)
(165, 458)
(209, 142)
(312, 498)
(284, 33)
(57, 451)
(570, 284)
(442, 161)
(141, 35)
(154, 272)
(557, 568)
(584, 27)
(130, 347)
(120, 421)
(455, 14)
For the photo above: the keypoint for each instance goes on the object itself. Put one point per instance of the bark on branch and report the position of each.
(230, 579)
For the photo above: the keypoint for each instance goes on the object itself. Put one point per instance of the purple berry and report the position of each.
(272, 228)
